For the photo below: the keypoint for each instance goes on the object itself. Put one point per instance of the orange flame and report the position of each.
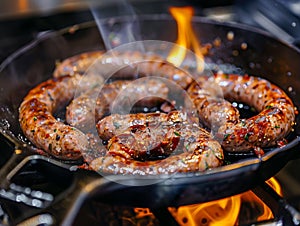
(186, 38)
(275, 185)
(250, 197)
(22, 4)
(225, 211)
(220, 212)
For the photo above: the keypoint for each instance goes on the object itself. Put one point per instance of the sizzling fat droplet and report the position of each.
(235, 53)
(244, 46)
(217, 42)
(230, 35)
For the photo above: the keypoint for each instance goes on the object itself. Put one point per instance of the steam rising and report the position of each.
(115, 34)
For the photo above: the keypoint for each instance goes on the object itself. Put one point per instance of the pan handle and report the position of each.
(13, 164)
(60, 209)
(66, 206)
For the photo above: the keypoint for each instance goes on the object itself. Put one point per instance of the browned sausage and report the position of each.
(273, 122)
(116, 123)
(41, 127)
(136, 62)
(77, 64)
(92, 105)
(186, 146)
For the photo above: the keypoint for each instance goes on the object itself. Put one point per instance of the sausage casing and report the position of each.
(273, 122)
(132, 64)
(42, 128)
(92, 105)
(185, 146)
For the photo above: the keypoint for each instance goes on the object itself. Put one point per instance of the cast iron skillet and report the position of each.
(264, 56)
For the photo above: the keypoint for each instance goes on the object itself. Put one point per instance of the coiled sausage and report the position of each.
(273, 122)
(42, 128)
(186, 146)
(93, 104)
(133, 62)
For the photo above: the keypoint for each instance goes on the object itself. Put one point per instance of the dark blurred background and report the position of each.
(22, 20)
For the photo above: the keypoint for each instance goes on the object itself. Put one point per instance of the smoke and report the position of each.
(113, 33)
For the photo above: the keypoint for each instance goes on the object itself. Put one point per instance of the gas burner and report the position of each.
(36, 197)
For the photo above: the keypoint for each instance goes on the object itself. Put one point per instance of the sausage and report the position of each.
(41, 127)
(273, 122)
(156, 135)
(115, 124)
(213, 109)
(93, 104)
(185, 146)
(182, 163)
(77, 64)
(129, 64)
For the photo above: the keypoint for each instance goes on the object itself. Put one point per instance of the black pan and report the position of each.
(264, 56)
